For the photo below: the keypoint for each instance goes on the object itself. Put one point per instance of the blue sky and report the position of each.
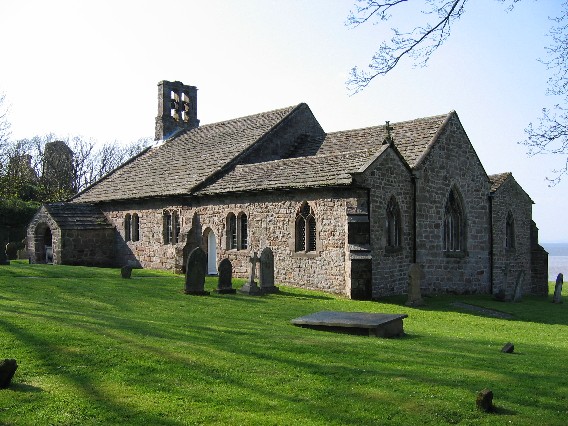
(91, 69)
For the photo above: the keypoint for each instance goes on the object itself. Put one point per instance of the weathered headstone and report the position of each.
(3, 258)
(251, 287)
(557, 298)
(8, 368)
(484, 400)
(126, 271)
(266, 276)
(508, 348)
(415, 276)
(518, 295)
(225, 283)
(195, 273)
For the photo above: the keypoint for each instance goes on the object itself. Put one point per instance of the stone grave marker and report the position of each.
(225, 283)
(484, 400)
(8, 368)
(415, 276)
(3, 258)
(508, 348)
(266, 276)
(518, 294)
(251, 287)
(557, 298)
(126, 271)
(195, 273)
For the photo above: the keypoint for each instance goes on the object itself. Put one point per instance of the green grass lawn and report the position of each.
(93, 349)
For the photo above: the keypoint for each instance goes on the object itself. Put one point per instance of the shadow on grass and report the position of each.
(22, 387)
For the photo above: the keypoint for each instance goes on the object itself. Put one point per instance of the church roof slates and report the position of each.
(410, 137)
(498, 179)
(300, 172)
(180, 163)
(77, 216)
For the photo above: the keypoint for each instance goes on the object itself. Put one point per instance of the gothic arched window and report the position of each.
(393, 224)
(510, 231)
(454, 224)
(305, 229)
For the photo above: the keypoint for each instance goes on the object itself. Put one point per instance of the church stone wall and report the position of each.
(453, 163)
(390, 178)
(271, 220)
(513, 263)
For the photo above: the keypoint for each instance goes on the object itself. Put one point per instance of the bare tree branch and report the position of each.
(419, 43)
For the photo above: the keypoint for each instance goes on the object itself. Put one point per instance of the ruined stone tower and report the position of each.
(177, 108)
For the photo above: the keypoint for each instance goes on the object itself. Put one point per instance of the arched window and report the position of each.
(243, 231)
(231, 232)
(510, 231)
(127, 225)
(393, 224)
(454, 224)
(135, 227)
(167, 227)
(305, 229)
(176, 227)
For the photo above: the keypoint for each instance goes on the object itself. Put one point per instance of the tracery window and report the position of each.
(454, 224)
(510, 231)
(393, 224)
(305, 229)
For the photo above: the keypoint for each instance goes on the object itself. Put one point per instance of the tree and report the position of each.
(549, 135)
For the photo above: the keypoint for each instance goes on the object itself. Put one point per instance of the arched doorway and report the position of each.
(211, 253)
(43, 244)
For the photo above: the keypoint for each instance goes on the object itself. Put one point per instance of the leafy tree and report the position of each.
(549, 135)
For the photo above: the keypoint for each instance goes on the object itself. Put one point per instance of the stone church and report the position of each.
(345, 212)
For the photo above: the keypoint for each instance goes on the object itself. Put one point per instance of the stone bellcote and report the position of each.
(177, 108)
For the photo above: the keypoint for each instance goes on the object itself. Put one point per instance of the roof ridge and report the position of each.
(415, 120)
(217, 123)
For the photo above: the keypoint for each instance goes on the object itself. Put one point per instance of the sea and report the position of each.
(557, 259)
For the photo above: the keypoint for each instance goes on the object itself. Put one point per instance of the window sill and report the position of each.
(455, 254)
(390, 250)
(305, 255)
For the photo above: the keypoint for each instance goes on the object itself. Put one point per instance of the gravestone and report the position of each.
(225, 283)
(251, 287)
(508, 348)
(415, 276)
(266, 276)
(3, 258)
(518, 295)
(484, 400)
(195, 273)
(126, 271)
(557, 298)
(8, 368)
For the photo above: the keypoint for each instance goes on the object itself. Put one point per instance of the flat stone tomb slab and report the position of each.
(362, 323)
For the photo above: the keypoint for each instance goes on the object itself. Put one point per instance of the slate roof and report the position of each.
(301, 172)
(412, 138)
(498, 179)
(77, 216)
(191, 161)
(183, 161)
